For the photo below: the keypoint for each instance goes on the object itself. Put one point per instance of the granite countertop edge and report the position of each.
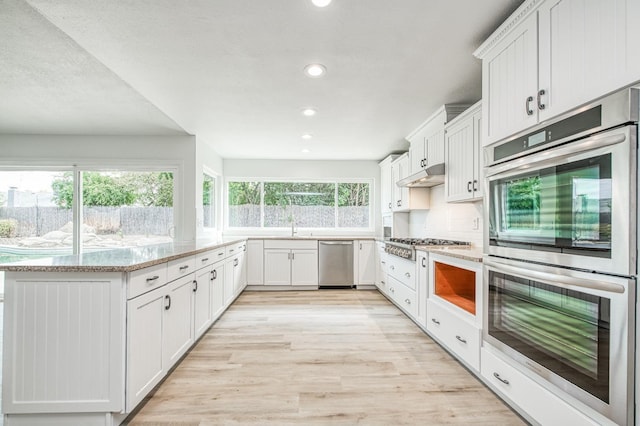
(473, 254)
(92, 262)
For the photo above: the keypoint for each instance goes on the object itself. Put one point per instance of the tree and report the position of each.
(241, 193)
(116, 189)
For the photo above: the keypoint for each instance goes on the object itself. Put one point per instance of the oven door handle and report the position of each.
(558, 280)
(559, 153)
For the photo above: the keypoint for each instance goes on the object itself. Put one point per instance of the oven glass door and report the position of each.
(566, 331)
(564, 208)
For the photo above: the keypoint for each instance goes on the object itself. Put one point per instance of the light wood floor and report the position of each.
(320, 357)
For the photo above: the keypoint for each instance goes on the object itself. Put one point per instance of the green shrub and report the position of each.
(8, 228)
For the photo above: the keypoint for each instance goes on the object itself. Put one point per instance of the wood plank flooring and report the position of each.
(338, 357)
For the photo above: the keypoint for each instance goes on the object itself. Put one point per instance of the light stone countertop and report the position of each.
(118, 259)
(134, 258)
(471, 253)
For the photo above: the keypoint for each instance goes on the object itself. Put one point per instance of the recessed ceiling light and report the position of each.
(315, 70)
(309, 112)
(306, 136)
(306, 150)
(321, 3)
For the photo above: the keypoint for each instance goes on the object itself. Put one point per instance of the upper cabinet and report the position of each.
(427, 141)
(463, 181)
(386, 184)
(554, 55)
(399, 170)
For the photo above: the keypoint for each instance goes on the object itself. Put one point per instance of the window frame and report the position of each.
(262, 230)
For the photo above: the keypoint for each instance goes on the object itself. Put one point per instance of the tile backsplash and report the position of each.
(454, 221)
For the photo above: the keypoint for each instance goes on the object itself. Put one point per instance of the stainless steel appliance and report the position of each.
(565, 193)
(572, 328)
(335, 263)
(560, 252)
(406, 247)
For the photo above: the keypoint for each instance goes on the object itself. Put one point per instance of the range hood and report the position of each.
(425, 178)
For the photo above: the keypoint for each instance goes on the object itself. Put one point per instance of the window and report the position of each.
(278, 204)
(208, 201)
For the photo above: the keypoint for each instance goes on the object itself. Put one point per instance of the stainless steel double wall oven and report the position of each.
(560, 242)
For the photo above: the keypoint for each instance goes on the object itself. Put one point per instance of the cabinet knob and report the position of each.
(527, 105)
(408, 275)
(541, 93)
(407, 301)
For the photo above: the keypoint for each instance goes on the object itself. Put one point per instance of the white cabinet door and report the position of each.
(422, 290)
(229, 280)
(366, 262)
(177, 335)
(216, 278)
(510, 82)
(239, 274)
(463, 180)
(400, 170)
(255, 262)
(417, 154)
(386, 190)
(304, 267)
(584, 51)
(478, 157)
(202, 308)
(144, 345)
(277, 267)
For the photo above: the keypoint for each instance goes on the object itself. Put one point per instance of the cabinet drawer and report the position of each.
(458, 335)
(144, 280)
(209, 257)
(180, 267)
(532, 398)
(291, 244)
(234, 249)
(403, 270)
(403, 296)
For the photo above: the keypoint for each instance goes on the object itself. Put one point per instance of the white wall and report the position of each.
(311, 169)
(170, 152)
(454, 221)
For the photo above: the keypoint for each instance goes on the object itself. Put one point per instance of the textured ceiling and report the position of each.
(230, 71)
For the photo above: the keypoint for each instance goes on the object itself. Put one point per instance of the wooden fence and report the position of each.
(304, 216)
(37, 221)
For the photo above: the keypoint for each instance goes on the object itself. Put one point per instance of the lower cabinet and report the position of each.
(534, 401)
(365, 258)
(159, 332)
(202, 303)
(216, 278)
(403, 297)
(459, 335)
(291, 263)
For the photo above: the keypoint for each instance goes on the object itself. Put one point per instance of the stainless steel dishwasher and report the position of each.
(335, 263)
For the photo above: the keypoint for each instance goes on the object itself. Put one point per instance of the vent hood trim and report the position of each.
(425, 178)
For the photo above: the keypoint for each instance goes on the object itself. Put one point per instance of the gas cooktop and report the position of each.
(405, 247)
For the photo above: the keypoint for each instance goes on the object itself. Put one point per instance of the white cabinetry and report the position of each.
(538, 404)
(401, 284)
(386, 185)
(255, 262)
(422, 286)
(381, 267)
(216, 278)
(427, 141)
(365, 258)
(159, 332)
(202, 308)
(291, 263)
(404, 198)
(463, 181)
(552, 56)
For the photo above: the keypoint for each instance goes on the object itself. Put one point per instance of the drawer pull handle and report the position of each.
(460, 339)
(408, 275)
(527, 105)
(167, 305)
(382, 282)
(221, 254)
(214, 274)
(407, 301)
(195, 286)
(435, 321)
(205, 259)
(497, 376)
(153, 278)
(184, 268)
(393, 268)
(231, 250)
